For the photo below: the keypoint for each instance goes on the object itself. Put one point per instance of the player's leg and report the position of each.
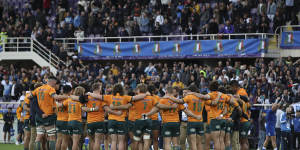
(199, 142)
(8, 133)
(27, 134)
(39, 137)
(59, 141)
(175, 133)
(167, 143)
(266, 142)
(75, 139)
(98, 139)
(91, 134)
(273, 140)
(137, 134)
(121, 142)
(215, 126)
(147, 141)
(191, 132)
(65, 141)
(155, 133)
(207, 137)
(51, 136)
(183, 135)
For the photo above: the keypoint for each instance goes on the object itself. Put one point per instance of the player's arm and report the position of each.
(166, 107)
(110, 111)
(153, 111)
(235, 104)
(191, 114)
(27, 107)
(201, 96)
(175, 100)
(92, 109)
(120, 107)
(138, 97)
(96, 96)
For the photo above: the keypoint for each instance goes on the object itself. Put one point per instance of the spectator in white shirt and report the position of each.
(159, 18)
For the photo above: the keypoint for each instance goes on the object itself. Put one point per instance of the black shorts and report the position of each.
(7, 127)
(20, 127)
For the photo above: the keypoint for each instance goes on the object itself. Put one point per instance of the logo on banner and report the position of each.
(263, 45)
(79, 49)
(156, 49)
(98, 49)
(240, 47)
(289, 38)
(176, 48)
(197, 48)
(219, 47)
(117, 49)
(137, 49)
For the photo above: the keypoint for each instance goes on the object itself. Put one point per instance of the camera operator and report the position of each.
(296, 125)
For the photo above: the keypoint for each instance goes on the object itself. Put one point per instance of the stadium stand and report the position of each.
(52, 28)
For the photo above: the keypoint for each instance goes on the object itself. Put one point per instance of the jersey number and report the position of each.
(116, 103)
(197, 107)
(220, 106)
(70, 108)
(145, 105)
(41, 96)
(94, 105)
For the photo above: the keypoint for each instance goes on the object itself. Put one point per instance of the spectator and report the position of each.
(159, 18)
(213, 27)
(144, 24)
(286, 122)
(228, 28)
(7, 90)
(264, 25)
(8, 125)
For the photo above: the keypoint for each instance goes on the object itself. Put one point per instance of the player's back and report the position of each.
(195, 105)
(143, 106)
(170, 115)
(95, 116)
(74, 110)
(44, 97)
(117, 100)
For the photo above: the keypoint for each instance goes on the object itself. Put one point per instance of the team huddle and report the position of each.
(114, 117)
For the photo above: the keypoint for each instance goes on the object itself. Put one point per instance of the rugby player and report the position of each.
(46, 94)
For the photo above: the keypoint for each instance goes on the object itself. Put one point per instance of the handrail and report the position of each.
(28, 44)
(69, 42)
(281, 30)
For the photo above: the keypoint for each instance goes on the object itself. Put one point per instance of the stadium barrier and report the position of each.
(69, 43)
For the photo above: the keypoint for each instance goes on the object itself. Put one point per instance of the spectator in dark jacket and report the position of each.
(8, 124)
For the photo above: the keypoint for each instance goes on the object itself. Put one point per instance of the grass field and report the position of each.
(11, 147)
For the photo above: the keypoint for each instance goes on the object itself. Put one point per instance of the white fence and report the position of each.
(27, 44)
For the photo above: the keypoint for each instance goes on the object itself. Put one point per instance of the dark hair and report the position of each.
(118, 88)
(229, 90)
(193, 88)
(152, 89)
(234, 83)
(67, 89)
(177, 89)
(142, 88)
(213, 86)
(95, 86)
(52, 78)
(222, 89)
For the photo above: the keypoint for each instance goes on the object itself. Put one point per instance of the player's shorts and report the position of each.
(62, 127)
(50, 120)
(245, 127)
(75, 127)
(229, 127)
(142, 126)
(117, 127)
(207, 128)
(20, 127)
(170, 129)
(195, 128)
(27, 125)
(130, 125)
(156, 125)
(270, 130)
(96, 127)
(217, 124)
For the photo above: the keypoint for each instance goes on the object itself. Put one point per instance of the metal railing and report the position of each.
(283, 29)
(69, 43)
(27, 44)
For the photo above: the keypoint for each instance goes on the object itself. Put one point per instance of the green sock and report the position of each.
(26, 148)
(227, 148)
(52, 145)
(38, 146)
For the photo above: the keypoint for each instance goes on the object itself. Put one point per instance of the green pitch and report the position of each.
(11, 147)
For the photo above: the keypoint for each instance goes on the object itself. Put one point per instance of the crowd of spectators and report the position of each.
(264, 80)
(46, 20)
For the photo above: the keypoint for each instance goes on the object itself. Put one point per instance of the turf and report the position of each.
(11, 147)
